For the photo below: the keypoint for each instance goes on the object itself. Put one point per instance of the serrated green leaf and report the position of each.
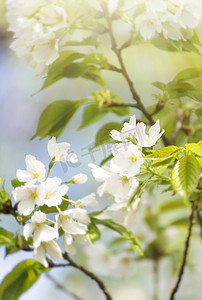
(127, 235)
(102, 135)
(161, 165)
(165, 152)
(55, 117)
(91, 114)
(189, 73)
(185, 176)
(20, 279)
(195, 148)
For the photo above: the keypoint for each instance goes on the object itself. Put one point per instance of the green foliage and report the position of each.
(53, 209)
(185, 175)
(187, 74)
(12, 242)
(126, 235)
(20, 279)
(15, 182)
(67, 65)
(93, 233)
(165, 152)
(102, 136)
(55, 117)
(91, 114)
(176, 46)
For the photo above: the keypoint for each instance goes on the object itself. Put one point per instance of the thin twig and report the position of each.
(89, 274)
(125, 74)
(62, 288)
(200, 222)
(156, 279)
(123, 105)
(187, 242)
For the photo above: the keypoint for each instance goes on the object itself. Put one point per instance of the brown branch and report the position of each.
(89, 274)
(117, 104)
(156, 279)
(187, 242)
(125, 74)
(200, 222)
(62, 288)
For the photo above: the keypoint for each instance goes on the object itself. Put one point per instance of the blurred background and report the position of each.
(20, 107)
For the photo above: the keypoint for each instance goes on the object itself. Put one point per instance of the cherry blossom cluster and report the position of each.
(120, 178)
(39, 192)
(39, 27)
(174, 19)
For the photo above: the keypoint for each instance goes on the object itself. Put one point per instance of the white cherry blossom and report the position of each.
(41, 231)
(52, 191)
(73, 221)
(145, 140)
(148, 25)
(58, 151)
(89, 200)
(128, 131)
(127, 159)
(28, 196)
(35, 170)
(51, 248)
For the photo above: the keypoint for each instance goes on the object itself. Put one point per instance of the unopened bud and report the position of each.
(79, 178)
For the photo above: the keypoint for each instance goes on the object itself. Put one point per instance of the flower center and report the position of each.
(133, 157)
(35, 174)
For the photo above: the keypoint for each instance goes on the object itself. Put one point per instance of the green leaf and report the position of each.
(66, 65)
(55, 117)
(57, 69)
(93, 233)
(6, 237)
(50, 210)
(198, 112)
(189, 73)
(120, 111)
(105, 160)
(20, 279)
(91, 114)
(174, 46)
(165, 152)
(159, 85)
(185, 176)
(102, 135)
(195, 95)
(127, 235)
(195, 148)
(12, 242)
(15, 183)
(161, 165)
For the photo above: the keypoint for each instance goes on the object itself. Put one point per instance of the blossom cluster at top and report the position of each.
(39, 27)
(39, 192)
(120, 178)
(174, 19)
